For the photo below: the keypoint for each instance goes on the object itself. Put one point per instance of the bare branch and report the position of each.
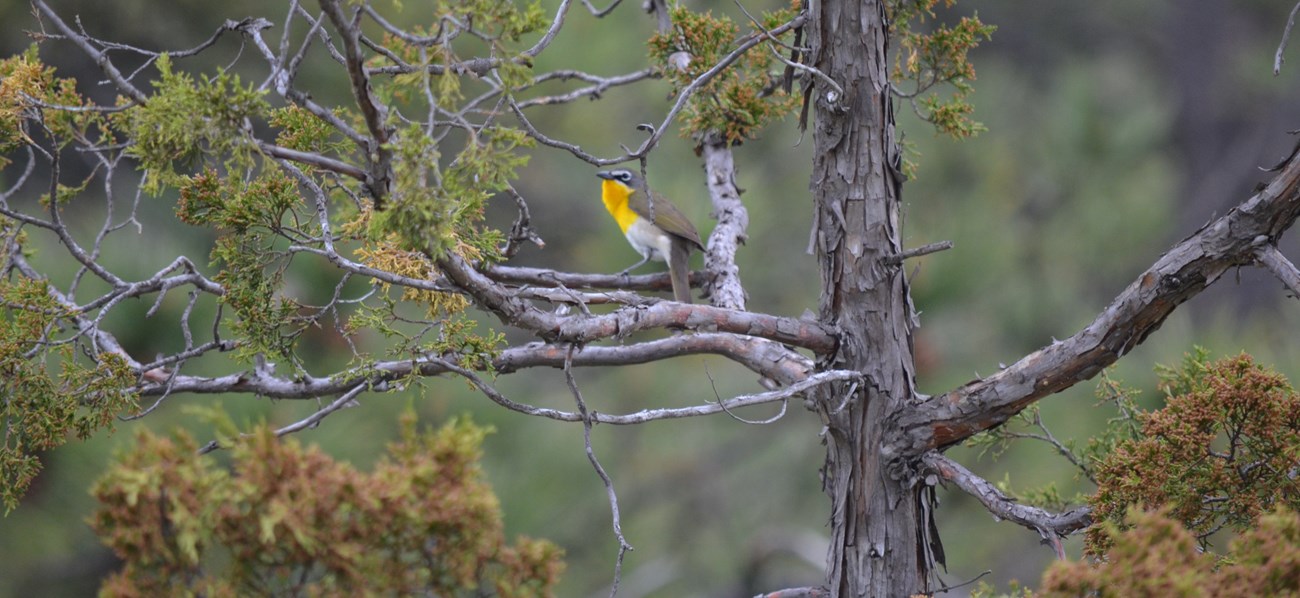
(100, 58)
(623, 546)
(724, 287)
(1050, 526)
(581, 329)
(598, 87)
(346, 399)
(310, 159)
(379, 154)
(601, 12)
(553, 278)
(381, 377)
(926, 249)
(551, 32)
(1282, 268)
(1286, 38)
(805, 592)
(1182, 272)
(683, 95)
(766, 358)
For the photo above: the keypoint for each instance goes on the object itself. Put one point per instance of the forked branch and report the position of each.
(1050, 526)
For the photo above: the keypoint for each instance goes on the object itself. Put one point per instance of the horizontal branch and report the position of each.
(580, 280)
(1180, 274)
(766, 358)
(804, 592)
(310, 159)
(763, 357)
(1051, 526)
(915, 252)
(380, 377)
(581, 329)
(649, 415)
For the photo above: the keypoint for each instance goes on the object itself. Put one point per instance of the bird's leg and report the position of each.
(643, 262)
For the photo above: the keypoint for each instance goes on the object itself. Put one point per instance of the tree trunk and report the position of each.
(879, 520)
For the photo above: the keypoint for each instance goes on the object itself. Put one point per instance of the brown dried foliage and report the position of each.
(1220, 453)
(289, 520)
(1158, 556)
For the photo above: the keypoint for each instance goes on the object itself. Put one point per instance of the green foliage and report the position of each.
(253, 283)
(1126, 426)
(739, 101)
(289, 520)
(248, 213)
(495, 22)
(439, 210)
(186, 122)
(303, 131)
(984, 590)
(30, 94)
(933, 57)
(48, 394)
(1219, 454)
(1152, 554)
(209, 200)
(1187, 376)
(1028, 424)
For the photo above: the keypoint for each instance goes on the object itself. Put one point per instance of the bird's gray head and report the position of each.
(622, 175)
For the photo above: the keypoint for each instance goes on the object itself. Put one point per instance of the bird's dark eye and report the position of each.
(623, 175)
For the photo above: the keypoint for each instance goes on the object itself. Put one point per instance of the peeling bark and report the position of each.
(1236, 239)
(879, 522)
(724, 287)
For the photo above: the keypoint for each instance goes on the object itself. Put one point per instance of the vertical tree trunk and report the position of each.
(878, 521)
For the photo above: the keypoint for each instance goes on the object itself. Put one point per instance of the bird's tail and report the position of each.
(679, 270)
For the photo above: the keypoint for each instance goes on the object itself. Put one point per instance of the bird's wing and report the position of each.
(671, 219)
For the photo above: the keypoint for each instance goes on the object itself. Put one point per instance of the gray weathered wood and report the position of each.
(877, 520)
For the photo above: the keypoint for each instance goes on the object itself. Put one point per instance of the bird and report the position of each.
(653, 226)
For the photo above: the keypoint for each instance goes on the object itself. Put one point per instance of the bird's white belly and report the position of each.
(649, 240)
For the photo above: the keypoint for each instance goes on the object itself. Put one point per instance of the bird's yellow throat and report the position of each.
(615, 195)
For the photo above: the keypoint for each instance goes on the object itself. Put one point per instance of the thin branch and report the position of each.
(623, 546)
(379, 153)
(100, 58)
(1286, 38)
(926, 249)
(551, 32)
(582, 329)
(1282, 268)
(838, 91)
(310, 159)
(1049, 438)
(683, 95)
(598, 87)
(554, 278)
(311, 421)
(753, 422)
(1050, 526)
(601, 12)
(345, 400)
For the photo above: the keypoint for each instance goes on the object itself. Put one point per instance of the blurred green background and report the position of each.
(1115, 129)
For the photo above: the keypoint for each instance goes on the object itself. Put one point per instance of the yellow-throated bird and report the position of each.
(653, 225)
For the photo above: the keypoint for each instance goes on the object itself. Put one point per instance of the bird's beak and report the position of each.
(605, 174)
